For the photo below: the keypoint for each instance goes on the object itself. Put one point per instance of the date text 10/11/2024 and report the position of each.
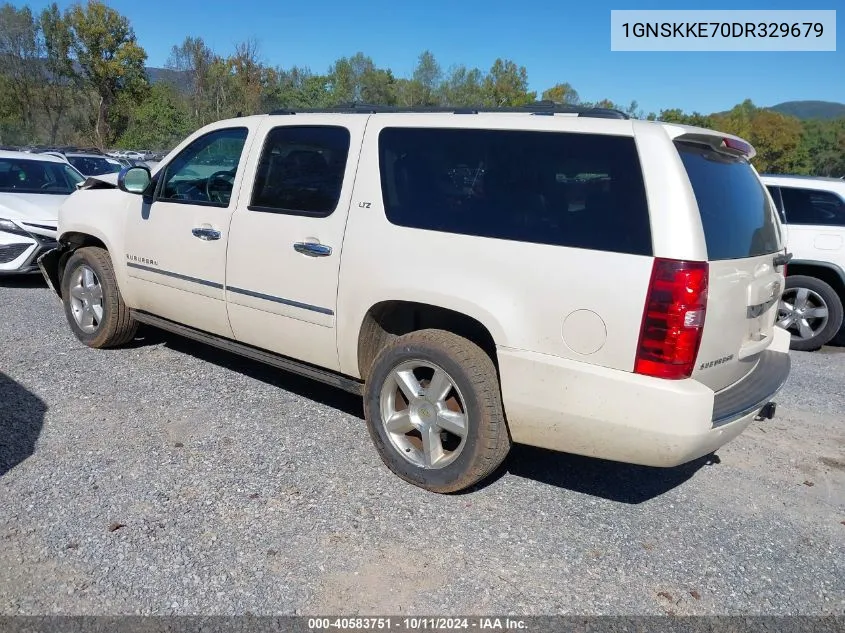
(416, 624)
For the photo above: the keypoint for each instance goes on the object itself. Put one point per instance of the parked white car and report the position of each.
(579, 281)
(32, 187)
(813, 213)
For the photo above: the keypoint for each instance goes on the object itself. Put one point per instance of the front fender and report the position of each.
(97, 217)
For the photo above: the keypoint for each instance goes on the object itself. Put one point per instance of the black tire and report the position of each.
(821, 293)
(486, 443)
(116, 327)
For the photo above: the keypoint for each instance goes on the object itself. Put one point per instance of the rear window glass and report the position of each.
(564, 189)
(94, 166)
(736, 214)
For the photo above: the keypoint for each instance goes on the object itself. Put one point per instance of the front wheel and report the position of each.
(434, 411)
(93, 304)
(811, 311)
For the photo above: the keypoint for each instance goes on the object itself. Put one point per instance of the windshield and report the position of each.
(95, 165)
(35, 176)
(736, 214)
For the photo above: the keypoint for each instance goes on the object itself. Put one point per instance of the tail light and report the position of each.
(673, 319)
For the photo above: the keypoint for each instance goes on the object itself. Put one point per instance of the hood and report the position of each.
(103, 181)
(31, 206)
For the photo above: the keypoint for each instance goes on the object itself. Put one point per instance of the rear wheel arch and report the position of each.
(830, 273)
(387, 320)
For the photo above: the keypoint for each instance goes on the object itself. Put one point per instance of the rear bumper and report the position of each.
(578, 408)
(753, 391)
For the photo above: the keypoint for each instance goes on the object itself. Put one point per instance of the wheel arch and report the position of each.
(828, 272)
(388, 319)
(53, 264)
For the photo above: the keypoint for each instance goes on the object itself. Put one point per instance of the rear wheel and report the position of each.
(434, 411)
(811, 311)
(93, 305)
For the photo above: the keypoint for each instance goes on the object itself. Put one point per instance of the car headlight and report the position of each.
(8, 225)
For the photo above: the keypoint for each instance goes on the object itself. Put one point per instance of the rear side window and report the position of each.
(563, 189)
(736, 214)
(809, 206)
(301, 170)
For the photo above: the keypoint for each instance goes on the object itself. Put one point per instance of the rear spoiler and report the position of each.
(727, 143)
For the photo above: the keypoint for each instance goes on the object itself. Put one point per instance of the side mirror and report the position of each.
(134, 179)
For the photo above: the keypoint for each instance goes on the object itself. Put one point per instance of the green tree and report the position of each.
(357, 78)
(109, 60)
(248, 78)
(823, 142)
(777, 139)
(160, 121)
(562, 93)
(675, 115)
(192, 60)
(10, 120)
(220, 90)
(738, 120)
(463, 87)
(507, 85)
(297, 88)
(58, 95)
(20, 64)
(345, 77)
(423, 89)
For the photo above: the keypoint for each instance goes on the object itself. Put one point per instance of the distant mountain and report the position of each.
(180, 79)
(811, 109)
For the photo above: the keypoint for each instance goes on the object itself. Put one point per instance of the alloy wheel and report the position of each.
(424, 414)
(86, 299)
(802, 312)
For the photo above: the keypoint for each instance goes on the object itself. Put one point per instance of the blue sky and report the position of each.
(555, 40)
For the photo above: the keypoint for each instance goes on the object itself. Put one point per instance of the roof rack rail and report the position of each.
(537, 107)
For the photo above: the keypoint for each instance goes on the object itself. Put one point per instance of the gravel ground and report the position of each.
(172, 478)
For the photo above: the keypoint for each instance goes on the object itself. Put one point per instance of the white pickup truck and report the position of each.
(566, 278)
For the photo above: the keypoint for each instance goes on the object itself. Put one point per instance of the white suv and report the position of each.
(813, 212)
(32, 187)
(573, 280)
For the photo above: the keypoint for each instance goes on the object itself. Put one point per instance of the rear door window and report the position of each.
(736, 214)
(563, 189)
(810, 206)
(301, 170)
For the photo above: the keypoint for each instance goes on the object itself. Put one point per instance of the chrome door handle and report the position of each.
(312, 249)
(205, 233)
